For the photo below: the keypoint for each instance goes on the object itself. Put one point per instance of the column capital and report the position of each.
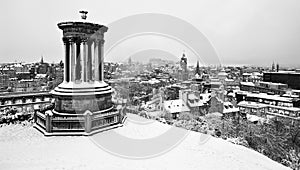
(96, 40)
(102, 41)
(78, 40)
(84, 40)
(89, 41)
(67, 40)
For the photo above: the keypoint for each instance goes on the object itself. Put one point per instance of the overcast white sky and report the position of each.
(243, 32)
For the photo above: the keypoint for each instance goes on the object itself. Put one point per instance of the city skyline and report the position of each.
(242, 32)
(150, 84)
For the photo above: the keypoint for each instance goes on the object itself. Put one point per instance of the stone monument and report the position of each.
(83, 101)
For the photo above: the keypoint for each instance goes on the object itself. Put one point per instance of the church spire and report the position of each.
(197, 71)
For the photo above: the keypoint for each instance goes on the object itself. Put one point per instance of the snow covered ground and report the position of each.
(26, 148)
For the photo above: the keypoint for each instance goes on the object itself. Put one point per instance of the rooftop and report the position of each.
(266, 96)
(284, 72)
(247, 84)
(270, 97)
(175, 106)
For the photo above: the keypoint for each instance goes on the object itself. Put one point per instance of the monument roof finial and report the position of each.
(83, 14)
(183, 54)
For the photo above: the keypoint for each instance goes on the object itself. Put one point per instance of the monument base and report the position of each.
(79, 109)
(51, 123)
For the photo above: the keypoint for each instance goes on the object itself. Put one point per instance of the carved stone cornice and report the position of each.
(82, 29)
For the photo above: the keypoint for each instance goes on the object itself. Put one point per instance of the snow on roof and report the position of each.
(251, 104)
(290, 95)
(296, 91)
(222, 74)
(41, 76)
(175, 106)
(153, 81)
(292, 109)
(231, 94)
(270, 97)
(18, 65)
(247, 74)
(260, 105)
(257, 74)
(26, 80)
(271, 83)
(247, 84)
(23, 72)
(229, 108)
(216, 83)
(196, 101)
(229, 80)
(254, 118)
(192, 96)
(283, 72)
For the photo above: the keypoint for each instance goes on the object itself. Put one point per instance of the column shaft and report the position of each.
(84, 62)
(101, 65)
(96, 58)
(72, 63)
(78, 60)
(89, 61)
(67, 62)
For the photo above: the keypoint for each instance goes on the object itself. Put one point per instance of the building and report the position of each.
(28, 85)
(263, 104)
(264, 87)
(24, 75)
(83, 101)
(4, 81)
(222, 75)
(227, 109)
(291, 78)
(183, 70)
(197, 102)
(197, 70)
(268, 111)
(267, 98)
(175, 107)
(42, 67)
(252, 77)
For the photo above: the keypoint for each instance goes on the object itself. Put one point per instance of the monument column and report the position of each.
(78, 60)
(89, 60)
(72, 63)
(67, 61)
(101, 64)
(84, 61)
(96, 58)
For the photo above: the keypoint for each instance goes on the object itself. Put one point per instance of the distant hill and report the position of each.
(146, 55)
